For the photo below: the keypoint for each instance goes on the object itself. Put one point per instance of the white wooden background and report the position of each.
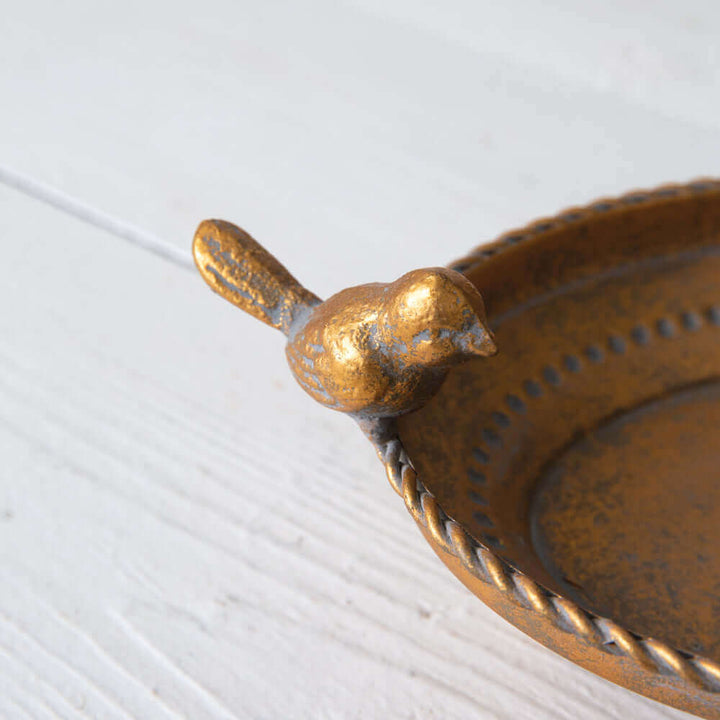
(183, 534)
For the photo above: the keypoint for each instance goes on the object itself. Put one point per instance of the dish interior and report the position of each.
(587, 452)
(627, 516)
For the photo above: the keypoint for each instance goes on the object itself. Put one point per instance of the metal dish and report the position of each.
(572, 481)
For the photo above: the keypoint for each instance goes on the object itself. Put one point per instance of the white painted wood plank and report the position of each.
(661, 55)
(184, 534)
(385, 134)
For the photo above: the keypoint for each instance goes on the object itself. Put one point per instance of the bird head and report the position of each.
(434, 317)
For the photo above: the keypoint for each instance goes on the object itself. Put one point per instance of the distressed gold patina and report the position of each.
(572, 481)
(373, 351)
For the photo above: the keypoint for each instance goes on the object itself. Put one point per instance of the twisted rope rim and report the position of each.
(482, 563)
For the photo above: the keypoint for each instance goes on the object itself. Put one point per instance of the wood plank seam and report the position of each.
(42, 192)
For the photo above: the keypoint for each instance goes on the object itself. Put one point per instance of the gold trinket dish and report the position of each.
(549, 410)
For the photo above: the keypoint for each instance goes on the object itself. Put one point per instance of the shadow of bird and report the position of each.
(373, 351)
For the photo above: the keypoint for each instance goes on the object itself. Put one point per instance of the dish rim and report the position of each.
(692, 671)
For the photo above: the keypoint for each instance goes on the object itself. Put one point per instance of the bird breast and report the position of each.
(335, 357)
(339, 359)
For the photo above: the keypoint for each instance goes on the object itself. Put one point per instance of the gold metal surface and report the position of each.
(571, 482)
(582, 465)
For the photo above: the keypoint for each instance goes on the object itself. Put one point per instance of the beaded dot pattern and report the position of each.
(478, 558)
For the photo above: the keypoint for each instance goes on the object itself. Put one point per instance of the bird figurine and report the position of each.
(373, 351)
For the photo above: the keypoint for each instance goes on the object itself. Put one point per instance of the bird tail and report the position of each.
(239, 269)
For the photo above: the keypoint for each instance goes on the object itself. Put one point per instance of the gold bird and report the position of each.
(374, 351)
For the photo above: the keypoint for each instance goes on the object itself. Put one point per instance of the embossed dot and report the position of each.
(492, 541)
(543, 227)
(461, 267)
(616, 344)
(477, 498)
(594, 353)
(491, 437)
(532, 388)
(691, 321)
(551, 375)
(476, 477)
(501, 419)
(515, 403)
(572, 216)
(666, 327)
(700, 186)
(640, 334)
(482, 519)
(601, 206)
(480, 456)
(572, 363)
(634, 199)
(714, 314)
(513, 239)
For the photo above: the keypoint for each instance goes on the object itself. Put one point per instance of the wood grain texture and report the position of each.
(182, 533)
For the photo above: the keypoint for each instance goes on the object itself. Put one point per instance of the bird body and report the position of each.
(373, 351)
(339, 358)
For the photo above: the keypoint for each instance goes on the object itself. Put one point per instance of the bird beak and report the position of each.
(482, 343)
